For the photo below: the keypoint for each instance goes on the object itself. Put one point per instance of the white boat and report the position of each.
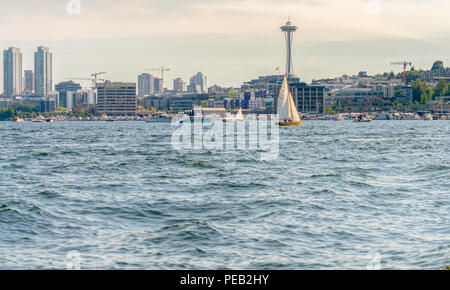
(18, 120)
(427, 117)
(239, 116)
(382, 116)
(286, 109)
(160, 119)
(233, 118)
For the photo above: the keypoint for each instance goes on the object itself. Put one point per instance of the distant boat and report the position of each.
(17, 120)
(160, 119)
(234, 118)
(49, 120)
(362, 119)
(286, 109)
(239, 116)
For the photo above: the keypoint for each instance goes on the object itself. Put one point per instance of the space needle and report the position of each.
(289, 30)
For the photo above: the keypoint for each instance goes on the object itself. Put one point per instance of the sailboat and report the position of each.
(286, 109)
(239, 116)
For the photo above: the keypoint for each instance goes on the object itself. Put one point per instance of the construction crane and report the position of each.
(94, 79)
(162, 70)
(405, 66)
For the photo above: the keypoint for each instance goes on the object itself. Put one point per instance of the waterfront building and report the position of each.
(187, 102)
(308, 98)
(116, 99)
(198, 84)
(43, 71)
(51, 102)
(157, 102)
(406, 95)
(67, 94)
(146, 85)
(28, 82)
(12, 72)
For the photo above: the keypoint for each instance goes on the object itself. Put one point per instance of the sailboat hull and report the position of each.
(290, 123)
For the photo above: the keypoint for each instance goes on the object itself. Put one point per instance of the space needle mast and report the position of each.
(289, 30)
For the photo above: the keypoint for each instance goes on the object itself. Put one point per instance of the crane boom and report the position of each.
(162, 70)
(405, 66)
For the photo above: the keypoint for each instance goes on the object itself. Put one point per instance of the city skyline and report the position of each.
(242, 42)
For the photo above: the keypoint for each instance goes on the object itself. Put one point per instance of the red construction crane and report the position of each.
(405, 66)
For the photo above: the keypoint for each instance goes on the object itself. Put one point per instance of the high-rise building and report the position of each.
(146, 85)
(158, 86)
(179, 85)
(116, 99)
(198, 84)
(43, 71)
(12, 71)
(67, 94)
(28, 81)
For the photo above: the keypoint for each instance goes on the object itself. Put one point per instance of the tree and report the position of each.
(7, 114)
(422, 92)
(440, 89)
(438, 65)
(27, 108)
(398, 93)
(329, 110)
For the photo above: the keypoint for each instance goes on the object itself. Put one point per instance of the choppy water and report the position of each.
(341, 195)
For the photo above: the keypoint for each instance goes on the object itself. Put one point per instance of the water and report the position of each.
(340, 195)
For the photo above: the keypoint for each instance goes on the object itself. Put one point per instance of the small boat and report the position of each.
(362, 119)
(286, 109)
(18, 120)
(160, 119)
(49, 120)
(239, 116)
(234, 118)
(427, 117)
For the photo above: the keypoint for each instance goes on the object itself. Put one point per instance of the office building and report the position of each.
(308, 98)
(12, 72)
(116, 99)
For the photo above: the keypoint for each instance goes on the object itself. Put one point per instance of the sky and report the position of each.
(231, 41)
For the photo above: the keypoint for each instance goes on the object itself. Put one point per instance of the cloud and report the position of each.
(323, 20)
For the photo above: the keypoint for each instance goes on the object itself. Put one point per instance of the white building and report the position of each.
(146, 85)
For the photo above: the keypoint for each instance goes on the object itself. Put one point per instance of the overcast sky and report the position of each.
(231, 41)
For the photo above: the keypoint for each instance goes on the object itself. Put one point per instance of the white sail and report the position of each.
(286, 108)
(239, 116)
